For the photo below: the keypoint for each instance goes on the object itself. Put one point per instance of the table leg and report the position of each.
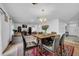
(39, 45)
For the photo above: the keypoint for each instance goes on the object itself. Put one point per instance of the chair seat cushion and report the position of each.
(51, 48)
(29, 44)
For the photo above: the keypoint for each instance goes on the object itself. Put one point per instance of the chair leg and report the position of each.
(24, 51)
(61, 49)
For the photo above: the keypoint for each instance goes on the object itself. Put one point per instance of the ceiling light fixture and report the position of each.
(34, 3)
(43, 18)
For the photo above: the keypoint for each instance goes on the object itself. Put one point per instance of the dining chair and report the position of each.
(17, 39)
(34, 32)
(61, 43)
(64, 48)
(53, 48)
(28, 45)
(53, 32)
(55, 44)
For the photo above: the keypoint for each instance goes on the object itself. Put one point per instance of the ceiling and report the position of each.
(29, 13)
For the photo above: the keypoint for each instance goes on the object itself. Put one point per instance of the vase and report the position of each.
(45, 27)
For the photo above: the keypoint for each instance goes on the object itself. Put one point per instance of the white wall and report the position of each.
(57, 26)
(53, 25)
(0, 37)
(5, 30)
(11, 26)
(62, 27)
(5, 33)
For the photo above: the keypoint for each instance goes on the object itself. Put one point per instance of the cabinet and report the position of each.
(76, 47)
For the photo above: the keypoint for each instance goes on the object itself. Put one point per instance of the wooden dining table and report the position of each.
(41, 37)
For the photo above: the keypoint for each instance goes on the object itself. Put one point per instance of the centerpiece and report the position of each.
(45, 27)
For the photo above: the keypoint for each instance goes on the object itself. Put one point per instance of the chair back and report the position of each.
(24, 41)
(56, 42)
(17, 39)
(34, 32)
(53, 32)
(61, 42)
(24, 44)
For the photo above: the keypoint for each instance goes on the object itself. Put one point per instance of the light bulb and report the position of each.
(41, 20)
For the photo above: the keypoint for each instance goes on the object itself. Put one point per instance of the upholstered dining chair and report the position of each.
(17, 39)
(65, 48)
(56, 42)
(59, 47)
(61, 43)
(53, 32)
(53, 48)
(28, 45)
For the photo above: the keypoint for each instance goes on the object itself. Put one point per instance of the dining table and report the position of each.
(41, 37)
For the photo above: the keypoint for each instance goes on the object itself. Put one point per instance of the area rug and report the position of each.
(69, 50)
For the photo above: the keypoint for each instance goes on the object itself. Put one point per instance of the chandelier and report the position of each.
(43, 21)
(43, 18)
